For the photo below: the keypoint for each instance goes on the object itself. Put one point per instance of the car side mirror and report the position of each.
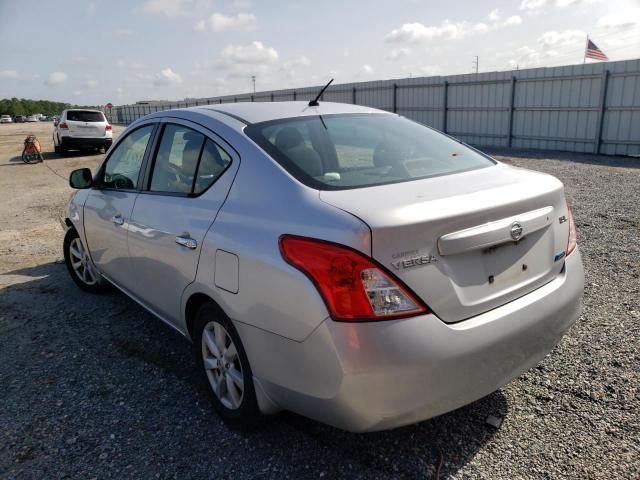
(81, 178)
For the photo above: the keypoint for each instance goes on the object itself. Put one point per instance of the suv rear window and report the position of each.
(337, 152)
(85, 116)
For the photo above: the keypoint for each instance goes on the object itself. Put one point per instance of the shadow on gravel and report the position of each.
(584, 158)
(109, 368)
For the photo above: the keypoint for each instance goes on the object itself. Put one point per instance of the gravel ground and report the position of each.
(94, 387)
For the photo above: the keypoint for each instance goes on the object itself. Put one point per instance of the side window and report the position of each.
(177, 160)
(186, 162)
(213, 162)
(123, 166)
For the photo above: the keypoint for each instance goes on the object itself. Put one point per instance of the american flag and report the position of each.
(594, 52)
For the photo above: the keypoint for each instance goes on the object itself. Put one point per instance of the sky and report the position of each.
(92, 52)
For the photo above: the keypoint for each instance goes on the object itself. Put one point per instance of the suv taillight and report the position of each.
(572, 241)
(354, 287)
(108, 128)
(63, 125)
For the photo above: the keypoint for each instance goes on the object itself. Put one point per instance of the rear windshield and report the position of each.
(336, 152)
(85, 116)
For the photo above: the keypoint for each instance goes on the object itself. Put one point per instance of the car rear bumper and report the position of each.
(381, 375)
(80, 142)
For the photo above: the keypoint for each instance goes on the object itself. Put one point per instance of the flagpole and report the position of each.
(584, 58)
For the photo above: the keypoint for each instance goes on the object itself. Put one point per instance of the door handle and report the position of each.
(117, 219)
(187, 242)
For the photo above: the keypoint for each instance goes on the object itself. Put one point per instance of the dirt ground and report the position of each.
(95, 387)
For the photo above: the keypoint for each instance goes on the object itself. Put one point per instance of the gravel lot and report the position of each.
(94, 387)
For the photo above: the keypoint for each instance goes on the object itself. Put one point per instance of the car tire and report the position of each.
(56, 149)
(80, 265)
(224, 366)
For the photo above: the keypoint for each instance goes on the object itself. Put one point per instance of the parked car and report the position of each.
(79, 129)
(32, 118)
(44, 118)
(338, 261)
(6, 119)
(19, 119)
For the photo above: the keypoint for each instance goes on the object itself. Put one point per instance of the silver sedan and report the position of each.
(334, 260)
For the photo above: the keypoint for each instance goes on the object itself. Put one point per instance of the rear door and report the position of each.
(108, 207)
(86, 123)
(187, 183)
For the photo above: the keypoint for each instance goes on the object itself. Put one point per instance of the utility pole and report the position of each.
(476, 63)
(253, 81)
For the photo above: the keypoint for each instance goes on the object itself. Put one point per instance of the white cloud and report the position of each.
(168, 8)
(56, 78)
(296, 63)
(367, 69)
(218, 22)
(566, 38)
(415, 32)
(398, 53)
(621, 20)
(536, 6)
(91, 9)
(166, 77)
(253, 54)
(448, 30)
(119, 90)
(8, 74)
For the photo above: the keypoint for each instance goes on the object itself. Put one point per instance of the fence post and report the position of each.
(601, 111)
(235, 99)
(272, 96)
(353, 96)
(294, 95)
(251, 98)
(511, 110)
(445, 93)
(395, 97)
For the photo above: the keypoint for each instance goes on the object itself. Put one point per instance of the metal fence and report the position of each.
(593, 108)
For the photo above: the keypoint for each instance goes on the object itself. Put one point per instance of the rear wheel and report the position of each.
(222, 360)
(80, 266)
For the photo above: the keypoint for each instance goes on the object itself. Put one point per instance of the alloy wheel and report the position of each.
(222, 365)
(81, 263)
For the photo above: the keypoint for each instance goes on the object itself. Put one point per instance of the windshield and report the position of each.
(336, 152)
(84, 116)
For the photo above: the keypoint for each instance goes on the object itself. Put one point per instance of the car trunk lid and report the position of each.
(469, 242)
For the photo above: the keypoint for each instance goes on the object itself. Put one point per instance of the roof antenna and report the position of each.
(314, 102)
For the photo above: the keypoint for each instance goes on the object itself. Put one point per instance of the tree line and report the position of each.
(25, 106)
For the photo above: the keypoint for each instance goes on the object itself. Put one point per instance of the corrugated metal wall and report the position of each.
(592, 108)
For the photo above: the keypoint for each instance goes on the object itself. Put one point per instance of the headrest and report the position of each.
(287, 138)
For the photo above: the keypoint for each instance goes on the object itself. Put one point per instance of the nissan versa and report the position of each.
(334, 260)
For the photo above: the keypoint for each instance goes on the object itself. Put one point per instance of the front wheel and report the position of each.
(222, 360)
(30, 157)
(80, 265)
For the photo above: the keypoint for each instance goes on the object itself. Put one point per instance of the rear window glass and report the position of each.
(84, 116)
(336, 152)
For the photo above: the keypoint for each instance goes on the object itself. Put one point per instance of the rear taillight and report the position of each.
(63, 125)
(353, 286)
(572, 242)
(108, 128)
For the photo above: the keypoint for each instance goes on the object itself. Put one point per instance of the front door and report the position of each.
(188, 183)
(107, 211)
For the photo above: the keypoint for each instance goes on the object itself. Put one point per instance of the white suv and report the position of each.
(6, 119)
(81, 130)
